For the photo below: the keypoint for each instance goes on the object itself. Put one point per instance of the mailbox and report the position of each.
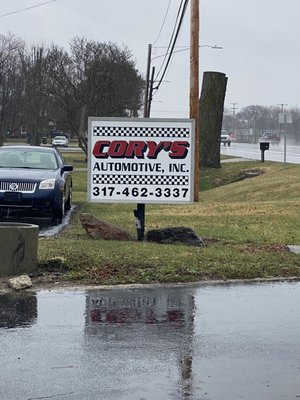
(264, 146)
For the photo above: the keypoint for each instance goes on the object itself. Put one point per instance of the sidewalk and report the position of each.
(294, 249)
(236, 159)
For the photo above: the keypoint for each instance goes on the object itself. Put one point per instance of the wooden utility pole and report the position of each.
(139, 212)
(146, 97)
(194, 87)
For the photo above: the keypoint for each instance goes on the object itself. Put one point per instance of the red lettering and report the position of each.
(179, 149)
(98, 149)
(117, 149)
(155, 148)
(136, 149)
(139, 149)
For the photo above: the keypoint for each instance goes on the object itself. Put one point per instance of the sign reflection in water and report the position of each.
(167, 313)
(134, 306)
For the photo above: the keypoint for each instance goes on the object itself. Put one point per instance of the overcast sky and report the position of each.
(260, 40)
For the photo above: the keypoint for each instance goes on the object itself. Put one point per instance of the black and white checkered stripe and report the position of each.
(140, 180)
(136, 131)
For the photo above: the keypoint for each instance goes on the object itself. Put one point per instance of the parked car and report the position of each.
(60, 141)
(225, 138)
(271, 137)
(34, 181)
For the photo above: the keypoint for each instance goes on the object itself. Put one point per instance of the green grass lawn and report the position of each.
(245, 223)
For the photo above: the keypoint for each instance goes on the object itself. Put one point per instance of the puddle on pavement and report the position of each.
(18, 310)
(210, 342)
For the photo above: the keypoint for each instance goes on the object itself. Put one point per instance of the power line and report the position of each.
(173, 44)
(171, 39)
(163, 24)
(27, 8)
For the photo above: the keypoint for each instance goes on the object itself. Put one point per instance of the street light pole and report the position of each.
(194, 87)
(185, 48)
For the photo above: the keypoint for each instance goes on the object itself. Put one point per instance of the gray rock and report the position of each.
(174, 235)
(20, 282)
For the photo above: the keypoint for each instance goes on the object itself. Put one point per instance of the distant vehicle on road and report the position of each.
(34, 181)
(60, 141)
(271, 137)
(225, 138)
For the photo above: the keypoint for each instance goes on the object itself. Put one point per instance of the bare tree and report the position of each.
(95, 79)
(35, 65)
(11, 82)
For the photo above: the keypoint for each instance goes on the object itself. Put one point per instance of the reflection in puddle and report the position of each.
(139, 306)
(164, 316)
(17, 310)
(215, 342)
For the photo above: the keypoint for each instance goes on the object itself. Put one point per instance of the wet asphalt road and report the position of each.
(215, 342)
(252, 151)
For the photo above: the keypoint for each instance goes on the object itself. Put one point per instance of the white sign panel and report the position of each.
(140, 160)
(285, 118)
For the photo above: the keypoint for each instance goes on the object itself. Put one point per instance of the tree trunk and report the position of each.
(211, 117)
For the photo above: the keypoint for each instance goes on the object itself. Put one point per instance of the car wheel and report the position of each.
(58, 214)
(69, 201)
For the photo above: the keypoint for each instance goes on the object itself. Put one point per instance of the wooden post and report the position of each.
(150, 92)
(146, 97)
(194, 87)
(139, 212)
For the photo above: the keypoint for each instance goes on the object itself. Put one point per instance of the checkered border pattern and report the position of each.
(135, 131)
(169, 180)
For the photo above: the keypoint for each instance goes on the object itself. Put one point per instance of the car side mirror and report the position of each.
(67, 168)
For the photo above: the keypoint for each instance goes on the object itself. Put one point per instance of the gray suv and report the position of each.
(225, 138)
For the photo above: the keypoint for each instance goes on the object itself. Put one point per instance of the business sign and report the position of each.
(140, 160)
(285, 118)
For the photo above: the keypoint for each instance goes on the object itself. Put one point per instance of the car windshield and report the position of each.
(59, 138)
(20, 158)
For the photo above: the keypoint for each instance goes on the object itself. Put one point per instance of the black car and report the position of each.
(34, 181)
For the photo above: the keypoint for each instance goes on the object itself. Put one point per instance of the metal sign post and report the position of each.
(284, 119)
(139, 214)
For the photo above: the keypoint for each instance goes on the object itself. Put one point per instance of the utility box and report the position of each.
(18, 248)
(264, 146)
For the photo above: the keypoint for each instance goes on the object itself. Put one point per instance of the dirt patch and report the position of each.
(272, 248)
